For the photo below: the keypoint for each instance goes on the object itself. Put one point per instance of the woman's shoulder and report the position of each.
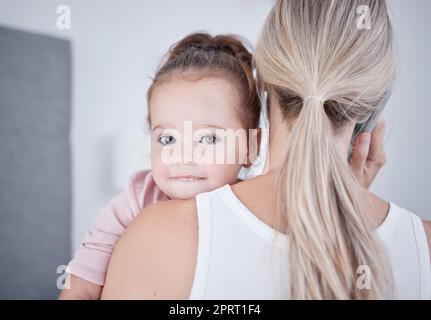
(170, 211)
(172, 220)
(159, 247)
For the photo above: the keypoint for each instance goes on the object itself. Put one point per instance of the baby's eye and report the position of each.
(209, 139)
(165, 140)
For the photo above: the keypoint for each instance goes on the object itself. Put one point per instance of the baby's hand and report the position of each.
(368, 154)
(80, 289)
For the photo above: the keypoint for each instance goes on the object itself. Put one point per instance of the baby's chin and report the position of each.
(187, 189)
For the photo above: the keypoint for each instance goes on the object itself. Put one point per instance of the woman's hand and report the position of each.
(368, 154)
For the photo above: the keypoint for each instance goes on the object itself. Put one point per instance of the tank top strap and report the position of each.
(423, 255)
(203, 211)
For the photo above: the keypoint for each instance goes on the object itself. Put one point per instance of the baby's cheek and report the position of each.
(158, 168)
(220, 175)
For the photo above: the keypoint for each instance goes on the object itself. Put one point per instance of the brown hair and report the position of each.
(201, 55)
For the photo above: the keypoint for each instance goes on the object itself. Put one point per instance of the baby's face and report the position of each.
(190, 150)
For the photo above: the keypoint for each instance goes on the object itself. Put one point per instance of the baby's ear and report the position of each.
(254, 139)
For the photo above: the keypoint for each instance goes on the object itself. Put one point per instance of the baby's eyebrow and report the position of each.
(209, 125)
(160, 126)
(201, 125)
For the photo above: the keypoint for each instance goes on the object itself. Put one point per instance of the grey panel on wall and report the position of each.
(35, 163)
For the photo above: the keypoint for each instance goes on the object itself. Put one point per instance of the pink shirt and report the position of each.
(92, 258)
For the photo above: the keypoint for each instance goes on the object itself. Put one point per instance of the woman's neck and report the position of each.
(279, 133)
(374, 207)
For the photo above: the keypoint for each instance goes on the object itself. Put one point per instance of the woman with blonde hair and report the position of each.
(305, 229)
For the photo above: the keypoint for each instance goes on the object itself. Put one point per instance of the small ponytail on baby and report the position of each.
(200, 55)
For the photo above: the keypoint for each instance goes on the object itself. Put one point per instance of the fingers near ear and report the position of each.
(377, 151)
(360, 151)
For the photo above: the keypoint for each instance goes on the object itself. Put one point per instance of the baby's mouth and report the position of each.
(187, 178)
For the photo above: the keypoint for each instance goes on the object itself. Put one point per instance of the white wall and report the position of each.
(406, 178)
(118, 44)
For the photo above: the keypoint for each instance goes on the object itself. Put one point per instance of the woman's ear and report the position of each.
(254, 141)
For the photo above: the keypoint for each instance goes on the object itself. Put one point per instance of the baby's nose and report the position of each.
(184, 156)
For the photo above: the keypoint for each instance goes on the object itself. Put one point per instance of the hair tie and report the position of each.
(313, 97)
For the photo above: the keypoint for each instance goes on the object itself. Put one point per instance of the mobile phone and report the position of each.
(370, 122)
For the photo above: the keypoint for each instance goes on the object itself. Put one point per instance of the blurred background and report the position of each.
(73, 81)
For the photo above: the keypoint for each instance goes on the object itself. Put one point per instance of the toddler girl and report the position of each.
(205, 87)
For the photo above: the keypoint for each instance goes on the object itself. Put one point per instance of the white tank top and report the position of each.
(240, 257)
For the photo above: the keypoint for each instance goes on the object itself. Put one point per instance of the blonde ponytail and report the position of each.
(323, 72)
(328, 237)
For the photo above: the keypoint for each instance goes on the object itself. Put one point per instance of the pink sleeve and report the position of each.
(92, 257)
